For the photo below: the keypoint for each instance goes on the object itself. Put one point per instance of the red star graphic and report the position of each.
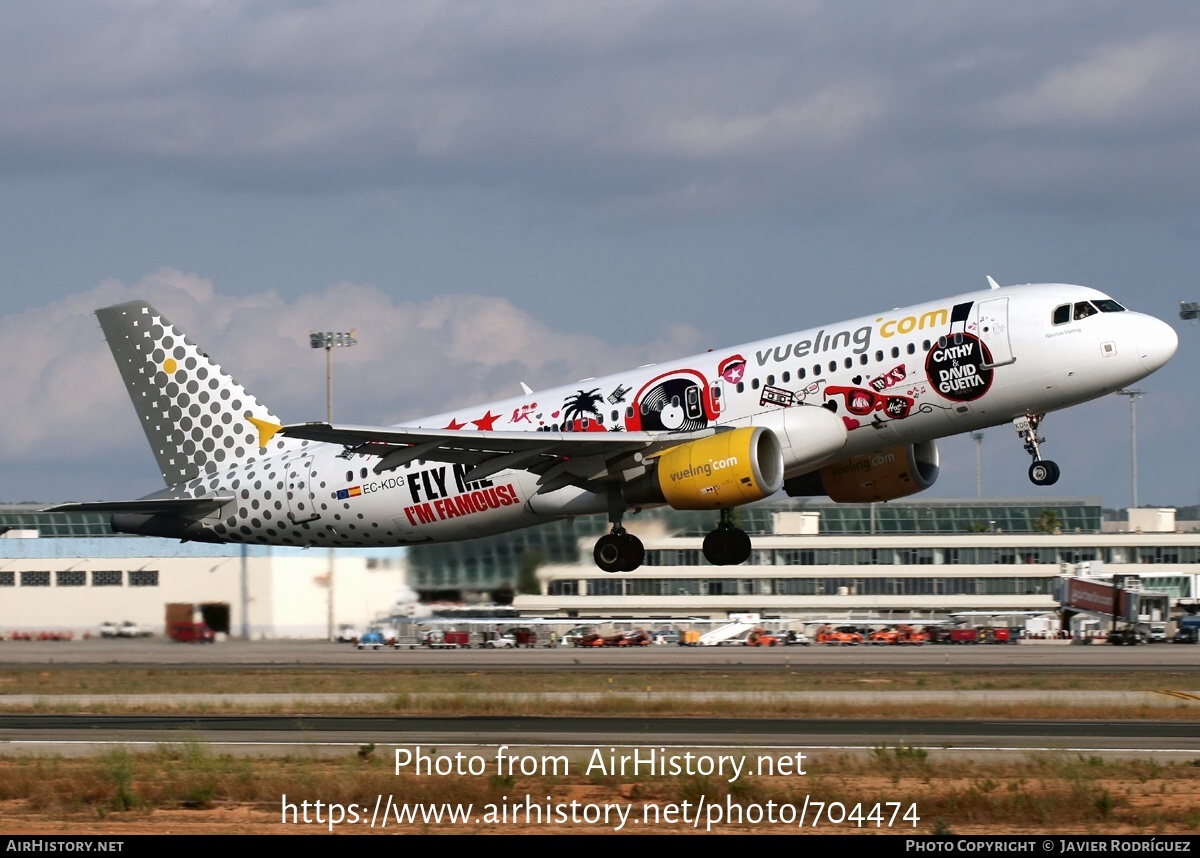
(485, 422)
(455, 425)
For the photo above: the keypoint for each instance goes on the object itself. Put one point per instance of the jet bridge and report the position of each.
(1119, 601)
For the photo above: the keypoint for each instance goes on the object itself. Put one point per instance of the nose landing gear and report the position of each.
(1042, 472)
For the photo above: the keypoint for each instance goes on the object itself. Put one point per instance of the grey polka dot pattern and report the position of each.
(208, 435)
(193, 413)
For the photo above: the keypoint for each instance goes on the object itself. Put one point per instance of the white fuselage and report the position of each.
(899, 377)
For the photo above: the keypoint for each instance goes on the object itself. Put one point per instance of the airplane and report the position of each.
(850, 410)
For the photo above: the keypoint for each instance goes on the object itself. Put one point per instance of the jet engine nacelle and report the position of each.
(889, 474)
(724, 470)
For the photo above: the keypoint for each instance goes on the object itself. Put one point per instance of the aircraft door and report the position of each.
(302, 506)
(992, 327)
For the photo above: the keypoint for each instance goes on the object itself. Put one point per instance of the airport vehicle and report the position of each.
(792, 637)
(1186, 635)
(902, 634)
(108, 629)
(525, 637)
(501, 642)
(191, 632)
(1126, 636)
(962, 635)
(372, 639)
(570, 638)
(1157, 633)
(446, 639)
(760, 637)
(841, 636)
(851, 410)
(130, 629)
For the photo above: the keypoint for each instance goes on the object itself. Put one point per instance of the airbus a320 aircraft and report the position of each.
(850, 410)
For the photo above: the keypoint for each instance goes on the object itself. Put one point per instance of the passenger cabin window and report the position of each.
(1062, 314)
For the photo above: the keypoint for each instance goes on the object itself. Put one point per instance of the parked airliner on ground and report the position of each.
(850, 410)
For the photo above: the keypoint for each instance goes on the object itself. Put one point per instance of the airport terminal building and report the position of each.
(70, 573)
(877, 561)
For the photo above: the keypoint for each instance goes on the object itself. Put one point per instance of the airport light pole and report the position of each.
(329, 340)
(1133, 398)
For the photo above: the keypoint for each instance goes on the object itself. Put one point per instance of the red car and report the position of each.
(191, 633)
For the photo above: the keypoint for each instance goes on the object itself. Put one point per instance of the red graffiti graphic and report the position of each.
(861, 401)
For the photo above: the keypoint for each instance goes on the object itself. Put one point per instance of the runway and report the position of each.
(1054, 656)
(258, 734)
(58, 732)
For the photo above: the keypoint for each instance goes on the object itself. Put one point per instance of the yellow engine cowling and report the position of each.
(724, 470)
(886, 475)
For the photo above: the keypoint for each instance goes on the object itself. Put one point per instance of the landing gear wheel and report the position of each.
(632, 550)
(739, 547)
(619, 552)
(726, 546)
(1043, 473)
(716, 546)
(608, 554)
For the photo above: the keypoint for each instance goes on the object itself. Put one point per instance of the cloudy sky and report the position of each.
(537, 191)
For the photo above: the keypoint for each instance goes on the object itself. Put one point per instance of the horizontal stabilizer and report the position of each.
(182, 507)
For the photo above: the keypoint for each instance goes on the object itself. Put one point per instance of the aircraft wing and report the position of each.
(559, 458)
(182, 507)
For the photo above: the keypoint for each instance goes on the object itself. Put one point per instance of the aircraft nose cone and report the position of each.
(1156, 344)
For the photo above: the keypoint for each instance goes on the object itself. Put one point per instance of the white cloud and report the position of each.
(1114, 83)
(61, 390)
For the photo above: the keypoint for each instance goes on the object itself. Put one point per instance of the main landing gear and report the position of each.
(727, 545)
(1042, 472)
(618, 550)
(621, 551)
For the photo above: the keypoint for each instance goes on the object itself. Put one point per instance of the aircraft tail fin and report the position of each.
(195, 415)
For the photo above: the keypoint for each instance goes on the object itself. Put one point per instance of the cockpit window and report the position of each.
(1083, 309)
(1062, 314)
(1108, 305)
